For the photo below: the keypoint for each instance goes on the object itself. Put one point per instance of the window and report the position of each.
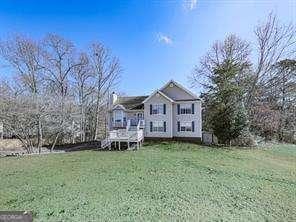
(185, 108)
(157, 109)
(186, 126)
(140, 115)
(118, 116)
(158, 126)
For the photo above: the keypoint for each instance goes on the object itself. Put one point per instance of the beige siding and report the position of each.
(158, 99)
(196, 117)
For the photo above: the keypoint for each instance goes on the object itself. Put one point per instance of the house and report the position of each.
(171, 112)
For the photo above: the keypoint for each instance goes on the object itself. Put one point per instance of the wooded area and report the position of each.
(57, 94)
(250, 87)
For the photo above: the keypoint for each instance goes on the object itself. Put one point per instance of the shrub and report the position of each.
(246, 139)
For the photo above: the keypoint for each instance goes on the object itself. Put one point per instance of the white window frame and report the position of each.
(185, 108)
(157, 126)
(185, 126)
(118, 116)
(158, 108)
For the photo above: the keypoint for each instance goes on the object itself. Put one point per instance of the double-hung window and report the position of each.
(157, 109)
(158, 126)
(118, 116)
(185, 108)
(185, 126)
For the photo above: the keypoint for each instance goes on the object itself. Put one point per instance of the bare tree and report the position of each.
(24, 56)
(17, 115)
(280, 92)
(58, 63)
(57, 94)
(106, 70)
(232, 49)
(275, 42)
(84, 87)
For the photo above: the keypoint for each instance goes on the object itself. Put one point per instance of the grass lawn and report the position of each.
(165, 182)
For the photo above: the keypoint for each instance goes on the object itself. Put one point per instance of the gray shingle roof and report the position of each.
(131, 102)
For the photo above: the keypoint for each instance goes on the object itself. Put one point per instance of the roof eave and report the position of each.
(161, 93)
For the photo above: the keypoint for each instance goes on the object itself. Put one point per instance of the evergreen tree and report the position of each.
(227, 114)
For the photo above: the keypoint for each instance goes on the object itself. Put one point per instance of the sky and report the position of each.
(156, 40)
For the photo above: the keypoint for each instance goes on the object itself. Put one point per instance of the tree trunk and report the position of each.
(54, 142)
(39, 136)
(97, 117)
(73, 132)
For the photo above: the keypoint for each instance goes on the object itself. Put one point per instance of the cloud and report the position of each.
(189, 4)
(164, 39)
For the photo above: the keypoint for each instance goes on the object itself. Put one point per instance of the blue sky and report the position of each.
(155, 40)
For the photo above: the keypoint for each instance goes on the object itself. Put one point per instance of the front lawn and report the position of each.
(157, 183)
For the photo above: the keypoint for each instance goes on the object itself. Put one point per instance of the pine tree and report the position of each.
(227, 114)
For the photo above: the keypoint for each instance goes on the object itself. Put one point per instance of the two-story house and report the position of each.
(171, 112)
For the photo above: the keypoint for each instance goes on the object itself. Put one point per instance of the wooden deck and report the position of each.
(133, 138)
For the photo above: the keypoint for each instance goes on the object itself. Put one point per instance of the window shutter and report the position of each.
(178, 107)
(192, 108)
(164, 126)
(151, 126)
(150, 109)
(192, 126)
(178, 126)
(164, 108)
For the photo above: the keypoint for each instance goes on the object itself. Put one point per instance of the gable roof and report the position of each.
(195, 97)
(161, 93)
(131, 102)
(181, 87)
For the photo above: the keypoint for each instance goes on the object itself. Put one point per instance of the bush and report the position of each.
(245, 139)
(289, 137)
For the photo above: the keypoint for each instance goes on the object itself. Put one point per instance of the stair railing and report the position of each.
(128, 125)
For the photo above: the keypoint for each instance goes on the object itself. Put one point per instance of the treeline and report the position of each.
(57, 94)
(250, 87)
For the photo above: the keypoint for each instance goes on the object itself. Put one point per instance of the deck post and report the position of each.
(119, 145)
(128, 145)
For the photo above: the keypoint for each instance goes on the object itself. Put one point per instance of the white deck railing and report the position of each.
(122, 134)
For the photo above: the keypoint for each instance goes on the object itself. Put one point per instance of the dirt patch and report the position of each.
(11, 145)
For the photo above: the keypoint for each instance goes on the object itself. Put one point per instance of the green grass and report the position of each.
(165, 182)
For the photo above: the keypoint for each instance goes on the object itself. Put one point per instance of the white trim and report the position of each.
(181, 87)
(161, 93)
(119, 106)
